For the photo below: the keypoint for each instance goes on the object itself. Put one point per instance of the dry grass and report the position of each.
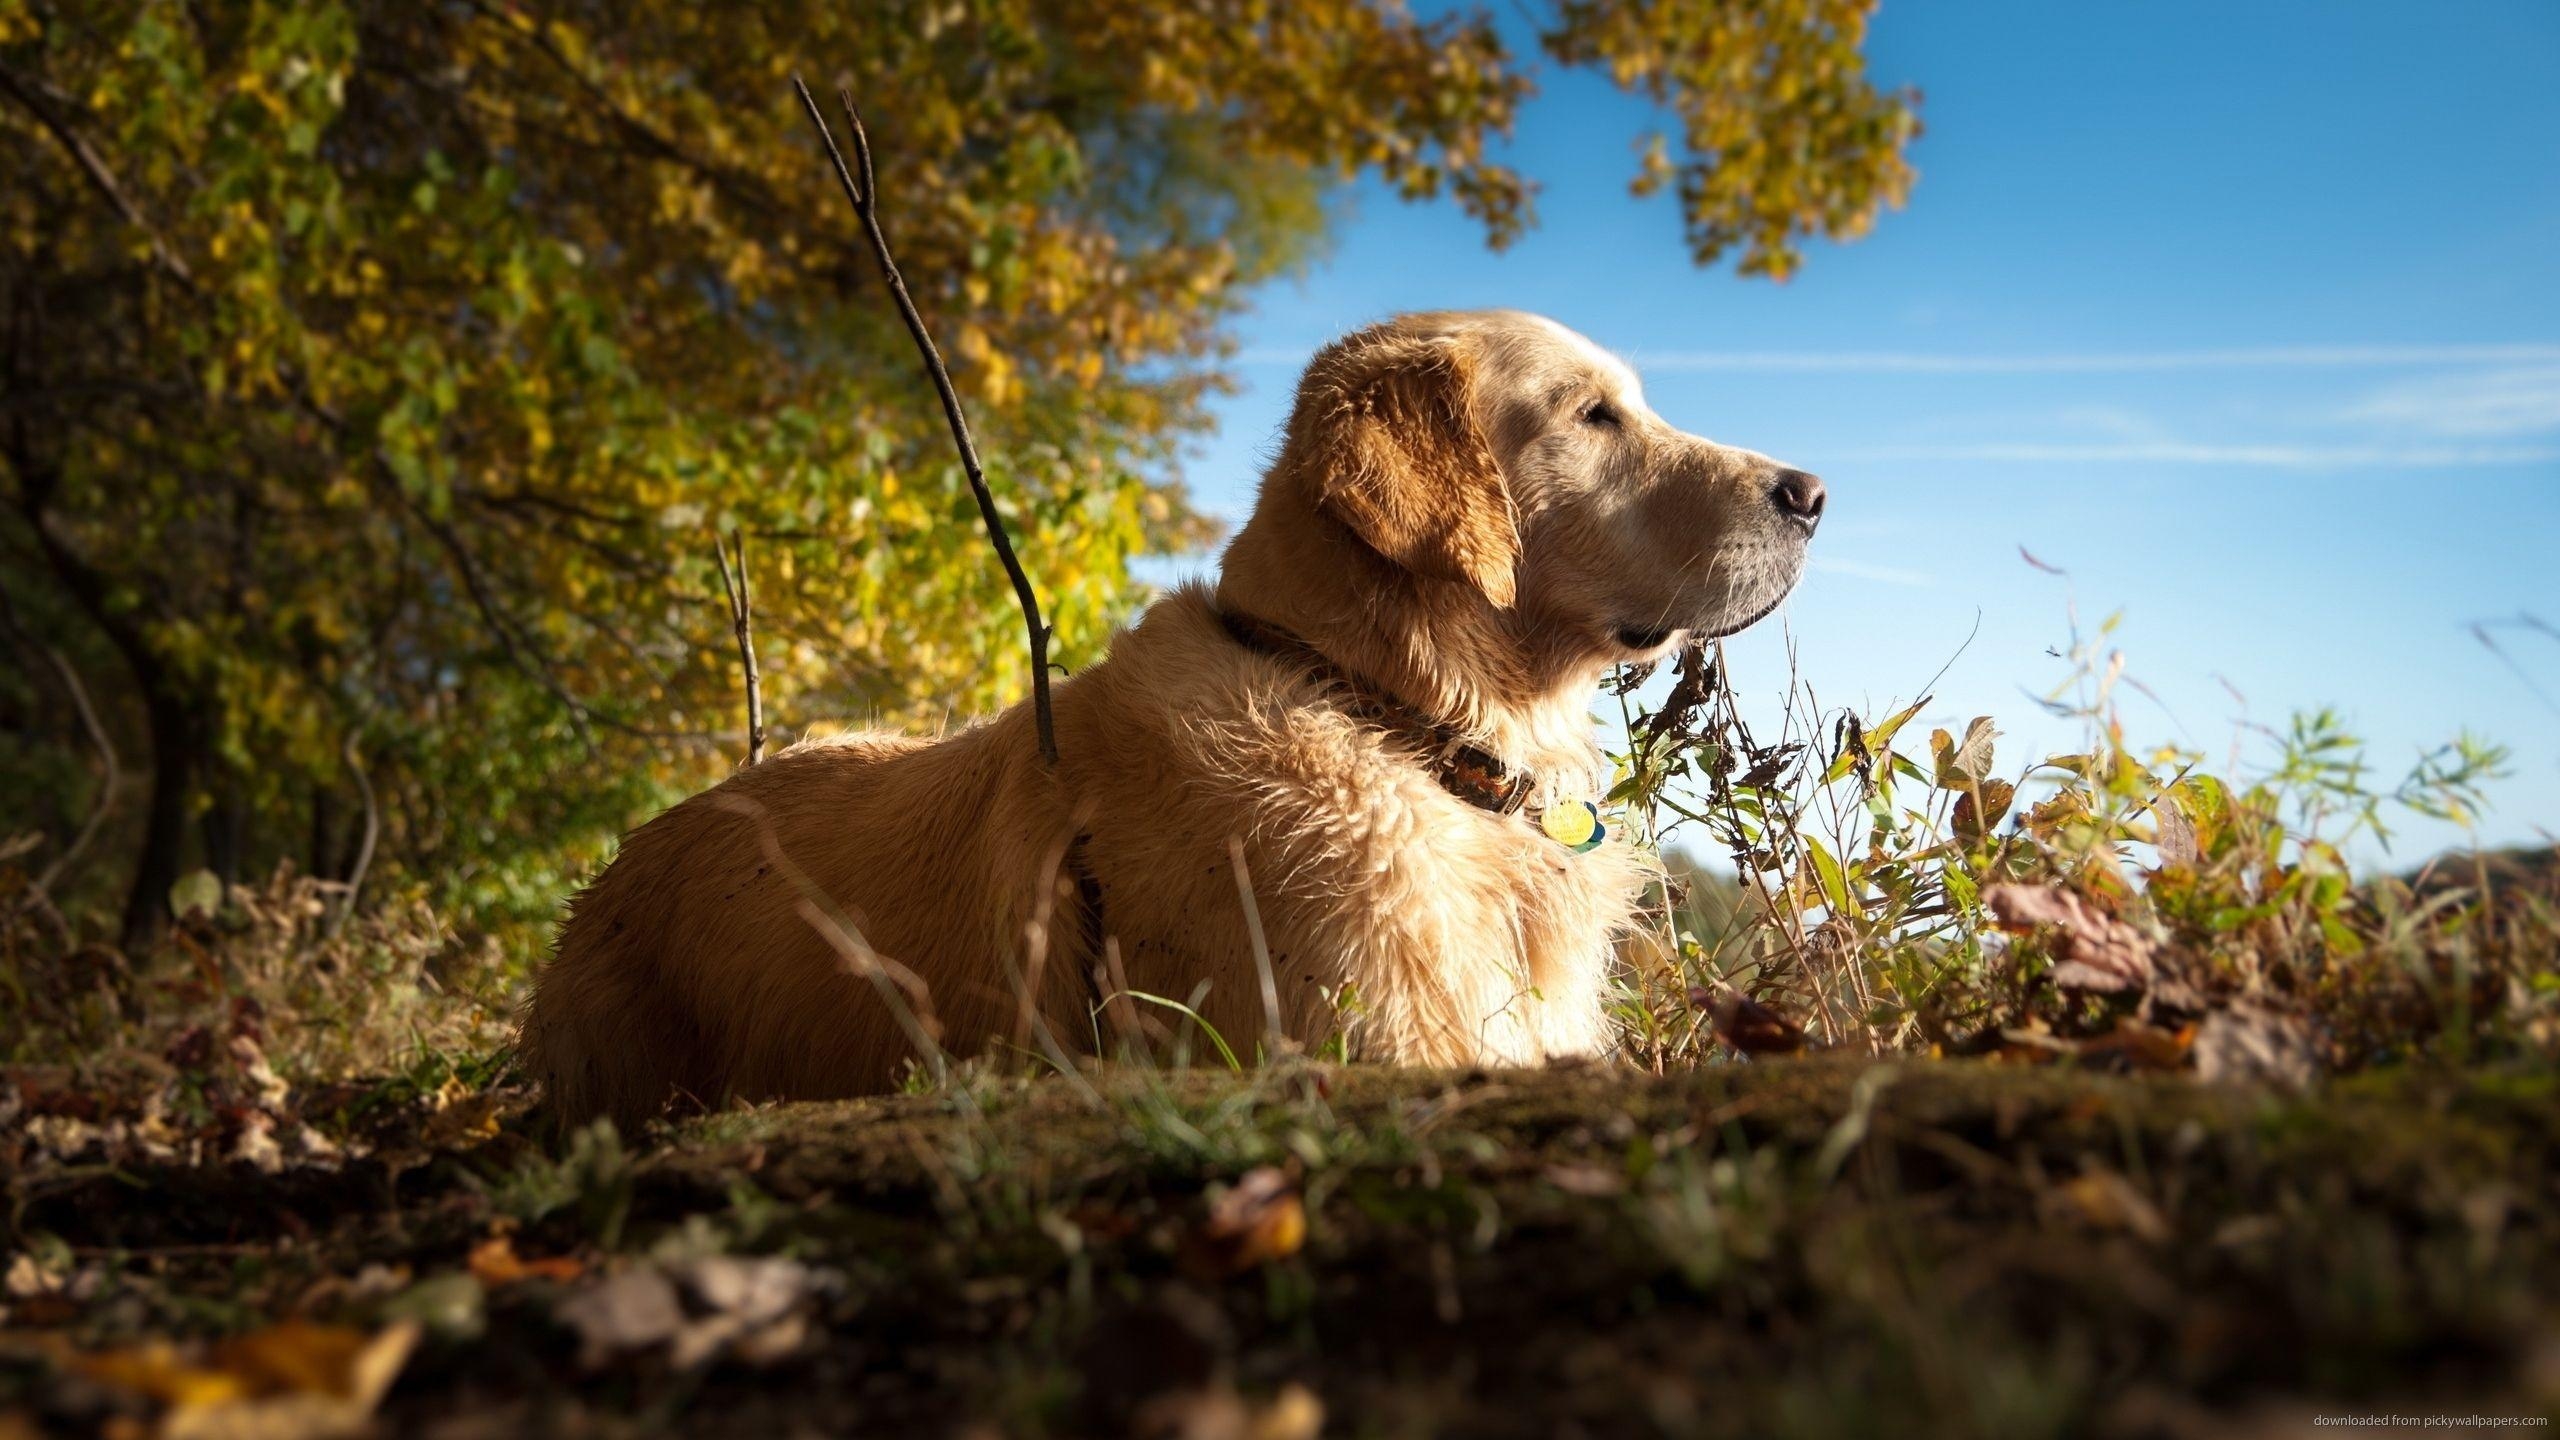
(392, 991)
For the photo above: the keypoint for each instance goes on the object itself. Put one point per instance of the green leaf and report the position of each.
(1827, 873)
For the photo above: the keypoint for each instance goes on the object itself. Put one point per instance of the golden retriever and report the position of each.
(1382, 710)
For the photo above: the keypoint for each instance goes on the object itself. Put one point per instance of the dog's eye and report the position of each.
(1601, 412)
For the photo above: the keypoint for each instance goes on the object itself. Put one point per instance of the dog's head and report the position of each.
(1506, 456)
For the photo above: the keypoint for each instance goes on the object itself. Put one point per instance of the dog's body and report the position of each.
(1432, 542)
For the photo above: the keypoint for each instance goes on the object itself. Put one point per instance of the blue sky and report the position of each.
(2247, 316)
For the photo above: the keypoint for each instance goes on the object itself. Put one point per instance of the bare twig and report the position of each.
(742, 620)
(364, 847)
(864, 195)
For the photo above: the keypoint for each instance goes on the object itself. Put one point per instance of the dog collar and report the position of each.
(1465, 770)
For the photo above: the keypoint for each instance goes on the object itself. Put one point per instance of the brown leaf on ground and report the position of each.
(2248, 1041)
(293, 1381)
(494, 1262)
(1219, 1413)
(1587, 1180)
(746, 1308)
(1258, 1219)
(755, 1304)
(2092, 951)
(2133, 1045)
(634, 1310)
(460, 1122)
(2105, 1200)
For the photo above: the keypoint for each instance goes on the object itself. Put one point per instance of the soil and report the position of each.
(1808, 1247)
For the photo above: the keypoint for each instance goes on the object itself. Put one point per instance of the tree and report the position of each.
(374, 376)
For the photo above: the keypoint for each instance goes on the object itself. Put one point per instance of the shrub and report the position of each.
(2111, 904)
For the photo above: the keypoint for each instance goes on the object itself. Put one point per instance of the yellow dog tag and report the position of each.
(1574, 824)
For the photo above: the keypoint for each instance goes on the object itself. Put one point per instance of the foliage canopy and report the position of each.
(376, 375)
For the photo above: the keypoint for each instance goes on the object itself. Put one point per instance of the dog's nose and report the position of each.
(1799, 496)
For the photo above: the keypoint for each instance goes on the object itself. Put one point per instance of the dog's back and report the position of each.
(730, 950)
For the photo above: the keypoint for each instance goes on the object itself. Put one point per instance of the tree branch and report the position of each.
(29, 96)
(864, 196)
(364, 848)
(742, 620)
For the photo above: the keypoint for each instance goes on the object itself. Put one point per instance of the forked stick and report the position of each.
(742, 624)
(864, 195)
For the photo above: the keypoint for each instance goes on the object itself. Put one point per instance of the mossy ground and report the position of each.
(1813, 1247)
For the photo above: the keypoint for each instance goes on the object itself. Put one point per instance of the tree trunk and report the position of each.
(175, 735)
(224, 824)
(155, 868)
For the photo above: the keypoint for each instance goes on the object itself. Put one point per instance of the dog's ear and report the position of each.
(1386, 429)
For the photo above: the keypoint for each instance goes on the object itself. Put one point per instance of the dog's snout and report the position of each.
(1798, 496)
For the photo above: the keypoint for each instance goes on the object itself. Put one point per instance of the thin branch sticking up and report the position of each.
(742, 621)
(864, 194)
(372, 834)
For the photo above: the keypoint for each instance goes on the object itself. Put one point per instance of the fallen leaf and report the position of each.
(256, 1144)
(2136, 1046)
(293, 1381)
(1258, 1219)
(494, 1263)
(1218, 1412)
(2105, 1200)
(755, 1289)
(157, 1370)
(753, 1304)
(463, 1123)
(28, 1277)
(300, 1357)
(1293, 1414)
(1586, 1180)
(774, 1343)
(633, 1310)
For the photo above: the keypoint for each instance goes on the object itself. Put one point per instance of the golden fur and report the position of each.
(1472, 511)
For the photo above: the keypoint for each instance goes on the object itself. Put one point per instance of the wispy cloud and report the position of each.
(2287, 457)
(2521, 401)
(2259, 357)
(1881, 574)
